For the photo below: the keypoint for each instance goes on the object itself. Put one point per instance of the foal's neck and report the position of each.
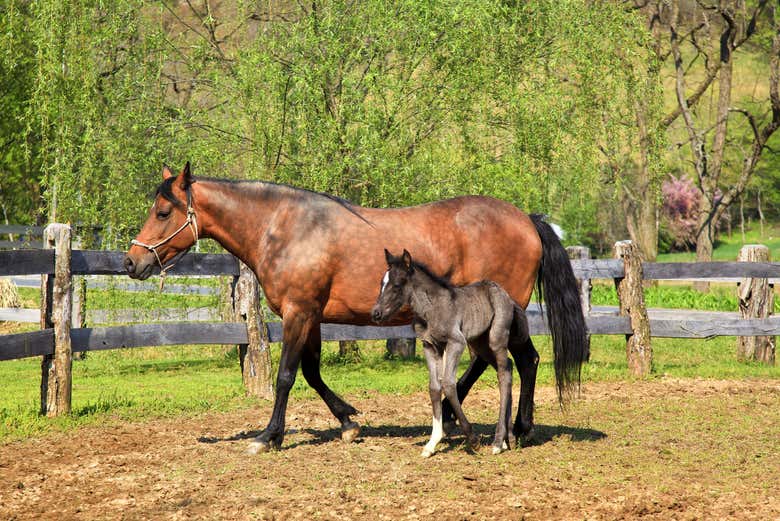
(425, 293)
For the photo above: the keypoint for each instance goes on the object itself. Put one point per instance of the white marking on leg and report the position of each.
(437, 433)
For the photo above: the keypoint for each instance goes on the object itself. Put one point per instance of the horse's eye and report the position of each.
(163, 215)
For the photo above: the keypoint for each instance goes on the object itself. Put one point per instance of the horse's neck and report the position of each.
(426, 293)
(238, 215)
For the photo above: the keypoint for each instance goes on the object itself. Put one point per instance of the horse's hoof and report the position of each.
(448, 427)
(473, 442)
(426, 453)
(258, 447)
(529, 436)
(350, 432)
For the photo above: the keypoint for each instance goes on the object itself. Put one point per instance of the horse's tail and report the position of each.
(564, 310)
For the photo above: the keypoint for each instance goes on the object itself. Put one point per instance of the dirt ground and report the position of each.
(665, 449)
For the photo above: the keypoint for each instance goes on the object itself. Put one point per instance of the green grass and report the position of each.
(139, 384)
(727, 247)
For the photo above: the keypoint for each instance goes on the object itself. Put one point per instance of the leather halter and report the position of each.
(192, 222)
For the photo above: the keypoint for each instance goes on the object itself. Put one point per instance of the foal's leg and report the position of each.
(466, 381)
(452, 354)
(433, 359)
(310, 367)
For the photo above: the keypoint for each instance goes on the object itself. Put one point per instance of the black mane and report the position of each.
(443, 281)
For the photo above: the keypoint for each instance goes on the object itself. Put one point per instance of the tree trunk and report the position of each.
(349, 350)
(401, 348)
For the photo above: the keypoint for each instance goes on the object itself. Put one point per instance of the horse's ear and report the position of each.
(167, 172)
(407, 258)
(388, 256)
(186, 177)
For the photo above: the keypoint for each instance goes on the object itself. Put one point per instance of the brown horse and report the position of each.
(320, 259)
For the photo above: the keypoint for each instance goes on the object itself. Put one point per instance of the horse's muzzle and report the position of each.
(376, 315)
(138, 269)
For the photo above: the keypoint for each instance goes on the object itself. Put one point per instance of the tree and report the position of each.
(722, 179)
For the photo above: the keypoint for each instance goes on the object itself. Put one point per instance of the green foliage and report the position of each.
(385, 104)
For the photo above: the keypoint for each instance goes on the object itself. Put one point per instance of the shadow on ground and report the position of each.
(543, 434)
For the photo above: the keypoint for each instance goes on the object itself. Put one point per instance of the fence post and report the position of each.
(255, 357)
(585, 287)
(56, 306)
(756, 300)
(639, 351)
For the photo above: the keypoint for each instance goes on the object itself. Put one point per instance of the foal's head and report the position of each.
(170, 229)
(395, 290)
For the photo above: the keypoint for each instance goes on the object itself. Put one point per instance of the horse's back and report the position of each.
(465, 239)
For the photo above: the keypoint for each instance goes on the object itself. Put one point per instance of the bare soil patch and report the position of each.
(665, 449)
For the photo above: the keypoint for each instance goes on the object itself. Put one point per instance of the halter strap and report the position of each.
(192, 222)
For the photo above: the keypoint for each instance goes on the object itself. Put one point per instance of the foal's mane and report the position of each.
(439, 280)
(166, 191)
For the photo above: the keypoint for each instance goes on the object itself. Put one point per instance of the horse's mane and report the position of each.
(166, 191)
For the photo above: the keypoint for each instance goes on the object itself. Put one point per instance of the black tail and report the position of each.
(564, 310)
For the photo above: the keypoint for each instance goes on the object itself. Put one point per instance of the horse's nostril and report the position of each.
(129, 264)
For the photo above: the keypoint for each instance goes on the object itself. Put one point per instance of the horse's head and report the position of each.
(396, 289)
(170, 230)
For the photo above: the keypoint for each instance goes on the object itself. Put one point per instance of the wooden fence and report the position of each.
(58, 340)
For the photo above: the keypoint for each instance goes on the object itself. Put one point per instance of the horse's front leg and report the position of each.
(297, 325)
(433, 359)
(310, 367)
(452, 355)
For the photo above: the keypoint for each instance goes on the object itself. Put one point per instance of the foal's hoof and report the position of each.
(498, 449)
(349, 432)
(258, 447)
(449, 427)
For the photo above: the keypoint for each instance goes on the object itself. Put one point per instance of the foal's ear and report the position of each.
(407, 258)
(167, 172)
(186, 178)
(388, 257)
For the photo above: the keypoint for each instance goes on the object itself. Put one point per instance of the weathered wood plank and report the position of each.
(10, 245)
(23, 345)
(21, 229)
(597, 268)
(145, 335)
(26, 262)
(692, 270)
(95, 262)
(19, 315)
(715, 327)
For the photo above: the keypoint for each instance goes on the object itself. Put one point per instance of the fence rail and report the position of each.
(57, 330)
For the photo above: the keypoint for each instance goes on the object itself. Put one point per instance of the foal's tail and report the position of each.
(564, 310)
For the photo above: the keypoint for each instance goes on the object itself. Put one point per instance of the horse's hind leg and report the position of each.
(434, 388)
(472, 374)
(310, 367)
(527, 361)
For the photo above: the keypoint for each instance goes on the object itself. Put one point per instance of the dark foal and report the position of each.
(447, 319)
